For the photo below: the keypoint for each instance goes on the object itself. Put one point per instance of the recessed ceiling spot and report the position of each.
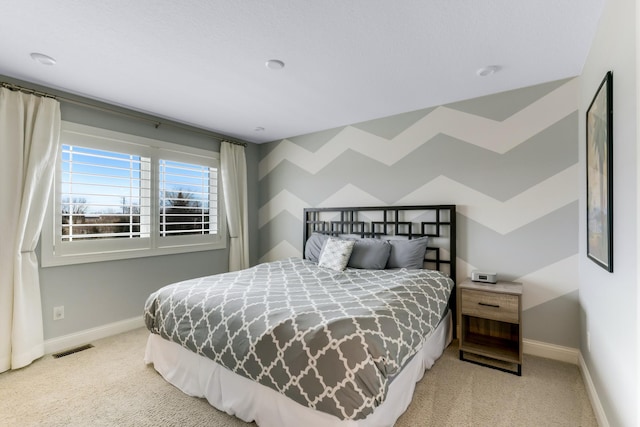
(487, 71)
(259, 129)
(42, 58)
(274, 64)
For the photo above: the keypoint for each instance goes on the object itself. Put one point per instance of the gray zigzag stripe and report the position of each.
(503, 105)
(497, 107)
(538, 244)
(284, 226)
(314, 141)
(541, 323)
(533, 246)
(500, 176)
(265, 149)
(390, 127)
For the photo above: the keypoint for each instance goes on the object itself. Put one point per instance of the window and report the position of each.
(121, 196)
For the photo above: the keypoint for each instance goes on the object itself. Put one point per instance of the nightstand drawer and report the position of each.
(490, 305)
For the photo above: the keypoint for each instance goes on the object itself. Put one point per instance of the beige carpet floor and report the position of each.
(109, 385)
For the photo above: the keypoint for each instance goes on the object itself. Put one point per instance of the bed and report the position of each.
(339, 337)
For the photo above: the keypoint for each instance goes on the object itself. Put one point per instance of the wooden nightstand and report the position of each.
(490, 319)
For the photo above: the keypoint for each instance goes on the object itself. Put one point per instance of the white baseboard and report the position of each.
(551, 351)
(598, 410)
(66, 342)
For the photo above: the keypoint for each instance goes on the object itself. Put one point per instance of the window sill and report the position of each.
(53, 260)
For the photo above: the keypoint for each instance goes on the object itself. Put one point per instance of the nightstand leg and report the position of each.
(517, 372)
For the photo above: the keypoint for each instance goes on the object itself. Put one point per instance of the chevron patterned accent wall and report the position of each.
(509, 161)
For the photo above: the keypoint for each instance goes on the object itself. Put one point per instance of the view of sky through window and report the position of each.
(102, 182)
(106, 182)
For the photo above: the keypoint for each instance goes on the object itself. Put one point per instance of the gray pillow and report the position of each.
(371, 254)
(407, 253)
(314, 246)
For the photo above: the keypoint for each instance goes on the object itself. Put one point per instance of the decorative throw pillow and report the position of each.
(314, 245)
(371, 254)
(407, 253)
(335, 254)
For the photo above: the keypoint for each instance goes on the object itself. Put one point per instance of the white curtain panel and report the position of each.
(233, 165)
(29, 138)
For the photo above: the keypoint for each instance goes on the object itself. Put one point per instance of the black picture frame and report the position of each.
(599, 139)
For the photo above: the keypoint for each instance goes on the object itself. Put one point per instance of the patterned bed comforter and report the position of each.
(332, 341)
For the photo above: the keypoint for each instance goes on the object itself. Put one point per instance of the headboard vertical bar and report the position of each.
(305, 230)
(453, 304)
(384, 219)
(397, 224)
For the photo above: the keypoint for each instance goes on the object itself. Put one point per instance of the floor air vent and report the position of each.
(71, 351)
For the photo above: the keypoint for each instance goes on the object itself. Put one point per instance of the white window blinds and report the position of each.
(188, 198)
(104, 194)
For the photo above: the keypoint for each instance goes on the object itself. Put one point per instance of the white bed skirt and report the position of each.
(250, 401)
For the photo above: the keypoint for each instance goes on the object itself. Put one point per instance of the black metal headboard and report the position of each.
(438, 222)
(435, 221)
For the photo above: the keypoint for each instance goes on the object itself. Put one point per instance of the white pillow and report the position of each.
(336, 253)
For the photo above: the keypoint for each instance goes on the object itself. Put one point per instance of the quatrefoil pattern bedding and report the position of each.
(330, 340)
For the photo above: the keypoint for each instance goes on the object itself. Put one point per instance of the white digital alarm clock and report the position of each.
(483, 276)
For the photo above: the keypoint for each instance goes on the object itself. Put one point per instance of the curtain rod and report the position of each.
(156, 123)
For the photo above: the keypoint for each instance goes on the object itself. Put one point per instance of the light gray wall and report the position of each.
(509, 162)
(609, 301)
(100, 293)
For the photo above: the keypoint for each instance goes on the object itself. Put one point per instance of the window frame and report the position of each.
(55, 252)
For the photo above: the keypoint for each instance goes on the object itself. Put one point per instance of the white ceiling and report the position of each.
(202, 62)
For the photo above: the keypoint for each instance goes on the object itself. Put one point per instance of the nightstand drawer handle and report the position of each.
(489, 305)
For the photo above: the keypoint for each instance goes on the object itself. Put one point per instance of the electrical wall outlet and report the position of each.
(58, 312)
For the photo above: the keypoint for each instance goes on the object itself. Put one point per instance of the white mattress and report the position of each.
(201, 377)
